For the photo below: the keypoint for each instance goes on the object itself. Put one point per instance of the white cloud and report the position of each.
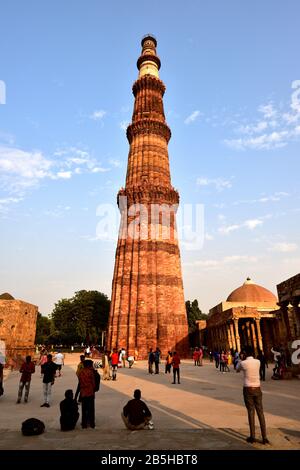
(63, 174)
(219, 183)
(22, 170)
(123, 125)
(264, 199)
(6, 202)
(267, 110)
(225, 261)
(283, 247)
(98, 169)
(116, 163)
(98, 115)
(260, 134)
(250, 224)
(192, 117)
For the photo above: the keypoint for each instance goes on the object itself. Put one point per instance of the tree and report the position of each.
(81, 318)
(43, 329)
(193, 313)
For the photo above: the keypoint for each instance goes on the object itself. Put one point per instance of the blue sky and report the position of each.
(231, 69)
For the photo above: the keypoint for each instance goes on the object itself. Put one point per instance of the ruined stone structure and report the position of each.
(289, 302)
(249, 316)
(147, 308)
(17, 327)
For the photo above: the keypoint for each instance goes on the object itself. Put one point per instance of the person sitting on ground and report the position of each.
(68, 412)
(136, 414)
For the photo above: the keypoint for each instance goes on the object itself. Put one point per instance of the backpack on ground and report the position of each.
(32, 427)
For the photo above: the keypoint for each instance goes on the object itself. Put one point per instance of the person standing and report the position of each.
(168, 362)
(176, 369)
(252, 394)
(156, 360)
(27, 369)
(150, 361)
(105, 366)
(263, 365)
(114, 363)
(196, 356)
(87, 393)
(123, 357)
(200, 361)
(79, 369)
(48, 371)
(59, 361)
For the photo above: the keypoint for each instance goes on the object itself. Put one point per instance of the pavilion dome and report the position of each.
(251, 292)
(6, 296)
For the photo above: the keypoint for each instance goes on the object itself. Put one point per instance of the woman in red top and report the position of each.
(176, 370)
(114, 364)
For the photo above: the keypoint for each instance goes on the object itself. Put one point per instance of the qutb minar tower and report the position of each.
(147, 305)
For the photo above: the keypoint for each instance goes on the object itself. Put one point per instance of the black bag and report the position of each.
(32, 427)
(97, 380)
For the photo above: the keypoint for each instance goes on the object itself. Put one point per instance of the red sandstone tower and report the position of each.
(147, 306)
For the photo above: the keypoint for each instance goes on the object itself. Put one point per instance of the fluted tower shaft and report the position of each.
(147, 308)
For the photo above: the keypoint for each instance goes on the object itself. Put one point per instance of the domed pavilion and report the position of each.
(248, 317)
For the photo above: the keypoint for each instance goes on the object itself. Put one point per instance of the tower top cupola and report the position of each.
(148, 63)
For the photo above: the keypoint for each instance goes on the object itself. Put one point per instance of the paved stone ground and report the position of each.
(205, 411)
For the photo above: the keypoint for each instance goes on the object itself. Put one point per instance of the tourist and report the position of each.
(43, 359)
(123, 357)
(87, 351)
(27, 369)
(105, 366)
(263, 365)
(87, 393)
(68, 412)
(79, 369)
(252, 394)
(196, 357)
(151, 360)
(176, 368)
(136, 414)
(157, 360)
(222, 362)
(236, 359)
(130, 360)
(200, 360)
(48, 371)
(114, 363)
(168, 362)
(225, 363)
(217, 359)
(59, 361)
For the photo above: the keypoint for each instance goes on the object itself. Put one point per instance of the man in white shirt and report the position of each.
(253, 394)
(59, 361)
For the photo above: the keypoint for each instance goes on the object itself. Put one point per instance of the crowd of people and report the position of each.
(136, 414)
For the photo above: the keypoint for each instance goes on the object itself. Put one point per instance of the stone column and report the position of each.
(259, 337)
(237, 336)
(229, 336)
(254, 338)
(233, 336)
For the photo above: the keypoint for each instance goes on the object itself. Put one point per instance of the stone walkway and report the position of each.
(205, 411)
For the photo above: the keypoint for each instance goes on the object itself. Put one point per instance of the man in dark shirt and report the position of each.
(68, 412)
(27, 368)
(136, 414)
(48, 371)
